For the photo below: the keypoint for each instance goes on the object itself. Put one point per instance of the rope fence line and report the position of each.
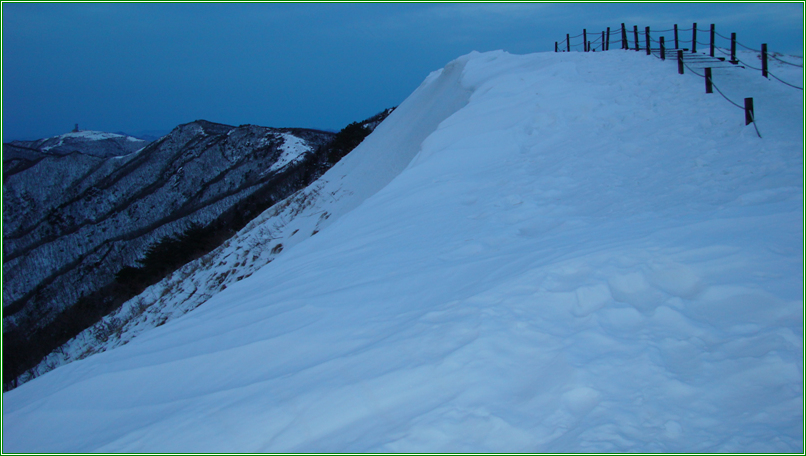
(784, 61)
(710, 84)
(779, 80)
(637, 40)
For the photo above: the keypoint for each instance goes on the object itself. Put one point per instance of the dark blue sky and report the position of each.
(136, 67)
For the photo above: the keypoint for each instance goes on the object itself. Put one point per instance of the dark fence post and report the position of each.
(648, 43)
(624, 44)
(589, 46)
(679, 61)
(764, 60)
(635, 31)
(585, 39)
(676, 43)
(568, 42)
(733, 49)
(694, 39)
(662, 49)
(608, 39)
(708, 82)
(603, 40)
(748, 111)
(713, 31)
(555, 47)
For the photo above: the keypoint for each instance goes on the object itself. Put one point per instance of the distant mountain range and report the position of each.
(91, 219)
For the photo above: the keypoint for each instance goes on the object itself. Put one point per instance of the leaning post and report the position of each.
(679, 61)
(709, 87)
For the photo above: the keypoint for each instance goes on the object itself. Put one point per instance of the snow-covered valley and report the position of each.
(554, 252)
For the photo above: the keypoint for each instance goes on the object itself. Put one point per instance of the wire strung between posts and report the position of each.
(714, 86)
(753, 120)
(748, 48)
(692, 70)
(759, 69)
(737, 42)
(752, 116)
(779, 79)
(784, 61)
(719, 34)
(737, 59)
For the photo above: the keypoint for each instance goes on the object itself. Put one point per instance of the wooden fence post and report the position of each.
(713, 31)
(648, 43)
(748, 111)
(676, 43)
(679, 61)
(567, 42)
(764, 60)
(585, 39)
(608, 39)
(603, 41)
(694, 39)
(635, 31)
(708, 82)
(662, 49)
(733, 49)
(555, 47)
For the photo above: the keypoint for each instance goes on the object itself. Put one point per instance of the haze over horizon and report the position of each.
(139, 68)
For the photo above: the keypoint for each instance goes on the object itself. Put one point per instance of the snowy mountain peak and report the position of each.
(554, 252)
(93, 143)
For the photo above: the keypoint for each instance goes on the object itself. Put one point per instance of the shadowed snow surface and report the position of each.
(550, 253)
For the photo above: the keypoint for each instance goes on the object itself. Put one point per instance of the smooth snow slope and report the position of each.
(372, 165)
(589, 254)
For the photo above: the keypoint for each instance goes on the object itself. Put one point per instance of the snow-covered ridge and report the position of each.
(293, 147)
(375, 162)
(515, 261)
(92, 135)
(75, 137)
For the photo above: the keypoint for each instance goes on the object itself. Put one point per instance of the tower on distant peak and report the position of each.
(75, 130)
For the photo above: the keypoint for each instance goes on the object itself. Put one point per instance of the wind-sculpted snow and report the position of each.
(570, 252)
(300, 216)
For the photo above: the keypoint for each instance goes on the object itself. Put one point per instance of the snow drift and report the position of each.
(542, 253)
